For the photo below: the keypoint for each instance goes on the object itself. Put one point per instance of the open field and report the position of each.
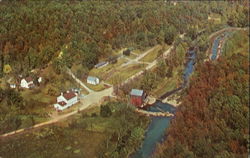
(104, 71)
(150, 57)
(167, 84)
(125, 73)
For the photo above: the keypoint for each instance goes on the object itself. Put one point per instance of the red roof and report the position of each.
(28, 79)
(69, 95)
(62, 103)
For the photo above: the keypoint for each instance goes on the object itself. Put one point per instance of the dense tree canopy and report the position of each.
(33, 33)
(213, 119)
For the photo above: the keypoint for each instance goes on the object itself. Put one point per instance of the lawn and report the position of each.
(82, 135)
(104, 72)
(125, 73)
(167, 84)
(150, 57)
(98, 87)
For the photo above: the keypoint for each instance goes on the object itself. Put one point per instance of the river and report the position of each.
(158, 125)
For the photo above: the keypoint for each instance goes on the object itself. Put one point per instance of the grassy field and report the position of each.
(103, 72)
(150, 57)
(98, 87)
(86, 134)
(125, 73)
(167, 84)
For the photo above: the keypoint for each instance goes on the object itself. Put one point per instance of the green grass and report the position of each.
(132, 56)
(167, 84)
(103, 72)
(125, 73)
(98, 87)
(150, 57)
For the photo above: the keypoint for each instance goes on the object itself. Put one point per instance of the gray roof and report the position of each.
(92, 78)
(136, 92)
(101, 64)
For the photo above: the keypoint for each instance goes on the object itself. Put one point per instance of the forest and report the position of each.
(50, 36)
(213, 119)
(33, 33)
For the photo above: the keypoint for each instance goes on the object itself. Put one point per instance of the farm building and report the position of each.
(66, 100)
(93, 80)
(126, 52)
(137, 97)
(101, 64)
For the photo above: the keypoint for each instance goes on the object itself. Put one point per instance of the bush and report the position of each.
(105, 111)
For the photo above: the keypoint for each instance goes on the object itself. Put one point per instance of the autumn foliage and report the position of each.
(213, 120)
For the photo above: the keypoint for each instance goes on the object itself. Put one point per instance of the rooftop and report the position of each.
(62, 103)
(92, 78)
(69, 95)
(136, 92)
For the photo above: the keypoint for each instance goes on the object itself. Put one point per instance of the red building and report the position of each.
(137, 97)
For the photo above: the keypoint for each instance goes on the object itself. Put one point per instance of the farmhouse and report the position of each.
(137, 97)
(66, 100)
(93, 80)
(27, 82)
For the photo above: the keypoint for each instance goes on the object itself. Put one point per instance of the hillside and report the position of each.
(213, 119)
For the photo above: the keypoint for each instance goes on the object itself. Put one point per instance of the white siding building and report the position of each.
(93, 80)
(66, 100)
(27, 82)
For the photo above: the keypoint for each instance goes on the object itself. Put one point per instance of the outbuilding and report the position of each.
(137, 97)
(93, 80)
(126, 52)
(101, 64)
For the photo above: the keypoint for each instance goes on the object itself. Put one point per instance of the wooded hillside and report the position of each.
(213, 119)
(33, 33)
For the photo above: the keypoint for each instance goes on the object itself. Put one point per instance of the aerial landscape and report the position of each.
(124, 79)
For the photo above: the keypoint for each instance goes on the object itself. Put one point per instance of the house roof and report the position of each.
(29, 79)
(92, 78)
(69, 95)
(62, 103)
(136, 92)
(100, 64)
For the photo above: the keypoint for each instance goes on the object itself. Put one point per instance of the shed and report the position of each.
(126, 52)
(137, 97)
(101, 64)
(93, 80)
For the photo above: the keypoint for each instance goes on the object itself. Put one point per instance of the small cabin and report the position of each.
(126, 52)
(137, 97)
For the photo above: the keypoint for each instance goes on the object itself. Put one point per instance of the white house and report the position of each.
(27, 82)
(39, 79)
(65, 100)
(93, 80)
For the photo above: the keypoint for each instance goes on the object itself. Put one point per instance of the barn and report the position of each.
(137, 97)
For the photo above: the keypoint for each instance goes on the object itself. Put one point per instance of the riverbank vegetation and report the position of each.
(213, 119)
(112, 130)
